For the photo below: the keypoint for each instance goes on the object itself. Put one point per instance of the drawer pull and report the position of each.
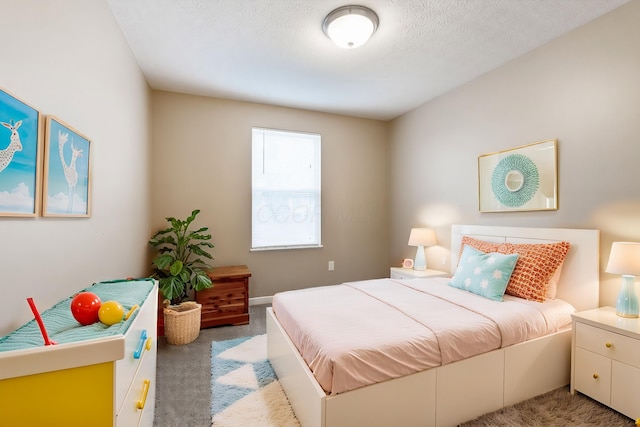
(131, 312)
(608, 345)
(143, 396)
(143, 338)
(148, 344)
(595, 376)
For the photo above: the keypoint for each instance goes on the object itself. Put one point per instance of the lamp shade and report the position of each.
(422, 237)
(350, 26)
(624, 259)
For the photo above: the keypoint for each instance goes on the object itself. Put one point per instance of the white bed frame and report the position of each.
(461, 391)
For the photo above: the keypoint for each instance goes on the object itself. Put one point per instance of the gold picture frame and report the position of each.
(524, 178)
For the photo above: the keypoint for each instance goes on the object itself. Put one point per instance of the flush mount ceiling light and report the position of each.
(350, 26)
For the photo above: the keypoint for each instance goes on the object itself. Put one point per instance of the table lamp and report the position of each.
(421, 237)
(624, 259)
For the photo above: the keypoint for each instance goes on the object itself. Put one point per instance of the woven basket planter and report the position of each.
(182, 322)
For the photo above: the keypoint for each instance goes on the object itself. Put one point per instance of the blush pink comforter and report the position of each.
(361, 333)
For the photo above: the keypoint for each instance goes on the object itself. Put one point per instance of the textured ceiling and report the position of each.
(274, 51)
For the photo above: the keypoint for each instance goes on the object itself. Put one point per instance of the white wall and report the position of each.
(582, 89)
(68, 58)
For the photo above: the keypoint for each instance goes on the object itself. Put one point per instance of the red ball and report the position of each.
(85, 307)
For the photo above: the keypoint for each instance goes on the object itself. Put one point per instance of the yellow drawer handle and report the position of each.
(608, 345)
(134, 308)
(143, 396)
(595, 376)
(148, 344)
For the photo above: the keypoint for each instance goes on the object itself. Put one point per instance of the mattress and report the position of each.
(360, 333)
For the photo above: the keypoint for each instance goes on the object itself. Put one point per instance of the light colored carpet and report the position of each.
(245, 390)
(557, 408)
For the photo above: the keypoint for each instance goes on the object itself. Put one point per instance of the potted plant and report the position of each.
(180, 270)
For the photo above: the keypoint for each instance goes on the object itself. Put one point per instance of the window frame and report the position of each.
(316, 190)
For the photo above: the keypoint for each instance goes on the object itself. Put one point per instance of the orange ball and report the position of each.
(111, 313)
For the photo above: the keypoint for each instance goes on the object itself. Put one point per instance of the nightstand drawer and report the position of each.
(593, 375)
(625, 396)
(401, 273)
(608, 344)
(400, 276)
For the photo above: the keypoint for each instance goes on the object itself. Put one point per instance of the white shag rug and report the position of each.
(245, 390)
(557, 408)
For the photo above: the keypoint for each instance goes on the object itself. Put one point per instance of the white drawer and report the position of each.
(407, 273)
(141, 330)
(625, 390)
(399, 276)
(139, 402)
(608, 344)
(593, 375)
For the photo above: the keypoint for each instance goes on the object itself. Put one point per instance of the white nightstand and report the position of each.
(409, 273)
(605, 359)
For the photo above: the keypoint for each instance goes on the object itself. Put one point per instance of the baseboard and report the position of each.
(260, 300)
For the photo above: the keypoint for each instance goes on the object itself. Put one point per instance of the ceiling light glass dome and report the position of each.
(350, 26)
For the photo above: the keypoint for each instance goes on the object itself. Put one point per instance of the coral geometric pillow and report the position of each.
(552, 288)
(536, 265)
(480, 245)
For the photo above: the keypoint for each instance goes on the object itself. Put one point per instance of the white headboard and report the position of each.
(580, 280)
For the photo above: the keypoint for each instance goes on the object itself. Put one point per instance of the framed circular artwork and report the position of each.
(515, 180)
(520, 179)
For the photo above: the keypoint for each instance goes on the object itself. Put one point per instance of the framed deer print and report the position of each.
(66, 189)
(20, 157)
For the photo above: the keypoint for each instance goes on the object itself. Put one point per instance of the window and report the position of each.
(285, 190)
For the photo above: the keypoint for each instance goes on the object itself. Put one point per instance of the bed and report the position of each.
(462, 389)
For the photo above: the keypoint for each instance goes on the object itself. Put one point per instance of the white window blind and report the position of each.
(285, 189)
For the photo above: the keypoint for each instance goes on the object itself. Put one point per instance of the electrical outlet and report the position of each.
(331, 265)
(444, 260)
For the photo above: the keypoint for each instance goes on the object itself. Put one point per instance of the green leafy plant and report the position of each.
(178, 267)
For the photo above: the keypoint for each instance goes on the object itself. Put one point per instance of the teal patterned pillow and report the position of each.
(485, 274)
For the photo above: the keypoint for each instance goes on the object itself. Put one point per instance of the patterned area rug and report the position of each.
(245, 390)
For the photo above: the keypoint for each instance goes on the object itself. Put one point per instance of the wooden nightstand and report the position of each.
(227, 303)
(605, 359)
(408, 273)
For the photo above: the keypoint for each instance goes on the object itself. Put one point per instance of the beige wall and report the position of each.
(68, 58)
(201, 158)
(583, 89)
